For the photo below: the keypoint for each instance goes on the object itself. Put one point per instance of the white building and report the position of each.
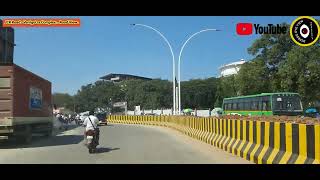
(231, 68)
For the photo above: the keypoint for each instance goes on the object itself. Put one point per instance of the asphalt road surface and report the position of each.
(119, 144)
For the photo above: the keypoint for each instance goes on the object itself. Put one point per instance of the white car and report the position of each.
(217, 112)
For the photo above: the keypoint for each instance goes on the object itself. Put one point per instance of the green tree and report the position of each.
(99, 94)
(149, 94)
(253, 78)
(225, 87)
(301, 73)
(272, 49)
(63, 100)
(198, 93)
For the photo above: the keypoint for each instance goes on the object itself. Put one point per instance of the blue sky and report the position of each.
(71, 57)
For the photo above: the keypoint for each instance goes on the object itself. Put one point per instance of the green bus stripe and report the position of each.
(247, 111)
(262, 94)
(267, 113)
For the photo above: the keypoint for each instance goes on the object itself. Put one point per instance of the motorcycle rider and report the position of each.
(77, 119)
(91, 123)
(70, 118)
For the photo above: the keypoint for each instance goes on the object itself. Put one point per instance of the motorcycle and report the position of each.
(92, 137)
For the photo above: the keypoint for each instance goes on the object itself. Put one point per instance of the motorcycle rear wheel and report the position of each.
(92, 150)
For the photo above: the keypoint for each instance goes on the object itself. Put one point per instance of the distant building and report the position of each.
(121, 77)
(231, 68)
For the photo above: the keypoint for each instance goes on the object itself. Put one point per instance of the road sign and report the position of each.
(119, 104)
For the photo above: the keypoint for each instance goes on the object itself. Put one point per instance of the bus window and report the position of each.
(254, 105)
(234, 106)
(264, 106)
(286, 104)
(268, 106)
(281, 106)
(247, 106)
(260, 105)
(241, 106)
(251, 104)
(229, 106)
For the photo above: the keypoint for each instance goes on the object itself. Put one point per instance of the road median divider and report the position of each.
(261, 142)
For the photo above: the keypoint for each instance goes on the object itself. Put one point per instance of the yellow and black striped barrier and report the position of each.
(260, 142)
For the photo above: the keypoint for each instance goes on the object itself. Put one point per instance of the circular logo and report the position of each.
(304, 31)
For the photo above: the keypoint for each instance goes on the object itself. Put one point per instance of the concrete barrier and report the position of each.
(261, 142)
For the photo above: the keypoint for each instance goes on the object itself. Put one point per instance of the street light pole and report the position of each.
(173, 62)
(179, 82)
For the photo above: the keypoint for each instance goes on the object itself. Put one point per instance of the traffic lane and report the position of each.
(152, 144)
(119, 144)
(39, 140)
(165, 145)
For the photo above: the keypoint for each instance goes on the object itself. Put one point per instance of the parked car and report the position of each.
(102, 116)
(312, 112)
(217, 112)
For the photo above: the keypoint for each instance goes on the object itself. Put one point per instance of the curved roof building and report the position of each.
(231, 68)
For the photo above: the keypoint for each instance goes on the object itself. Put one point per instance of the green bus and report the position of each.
(268, 104)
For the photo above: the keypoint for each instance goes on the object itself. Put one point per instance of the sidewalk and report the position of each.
(59, 127)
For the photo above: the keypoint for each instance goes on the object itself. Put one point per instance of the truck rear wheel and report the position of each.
(48, 133)
(26, 137)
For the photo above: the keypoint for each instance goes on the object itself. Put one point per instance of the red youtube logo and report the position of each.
(244, 28)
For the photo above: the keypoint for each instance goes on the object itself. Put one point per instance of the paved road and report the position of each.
(118, 144)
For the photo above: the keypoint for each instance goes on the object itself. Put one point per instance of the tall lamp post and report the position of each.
(173, 62)
(179, 80)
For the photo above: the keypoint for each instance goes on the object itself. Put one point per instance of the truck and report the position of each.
(25, 104)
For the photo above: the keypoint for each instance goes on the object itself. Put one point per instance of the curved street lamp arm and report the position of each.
(179, 60)
(204, 30)
(173, 62)
(160, 35)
